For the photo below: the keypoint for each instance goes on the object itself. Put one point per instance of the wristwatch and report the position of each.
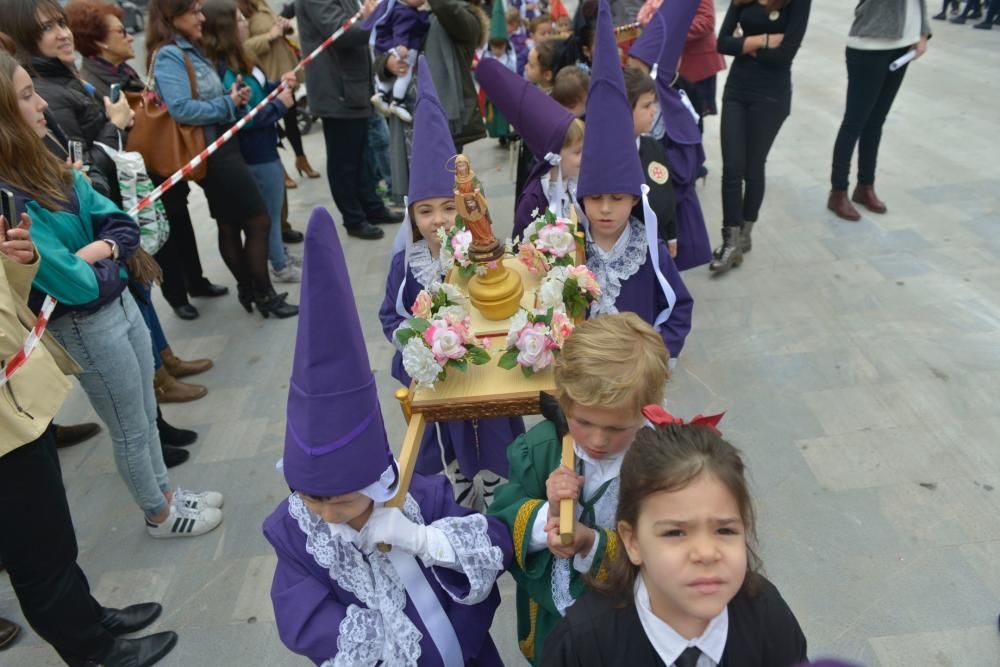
(114, 248)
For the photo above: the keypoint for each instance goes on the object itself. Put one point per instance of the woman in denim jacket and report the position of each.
(172, 34)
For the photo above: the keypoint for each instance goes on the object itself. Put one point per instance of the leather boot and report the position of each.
(130, 619)
(67, 436)
(865, 195)
(303, 167)
(8, 632)
(270, 303)
(731, 252)
(171, 390)
(180, 368)
(841, 205)
(140, 652)
(171, 435)
(746, 245)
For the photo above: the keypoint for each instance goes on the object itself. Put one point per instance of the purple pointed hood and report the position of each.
(335, 441)
(610, 157)
(433, 147)
(538, 118)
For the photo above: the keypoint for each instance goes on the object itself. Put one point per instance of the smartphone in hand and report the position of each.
(75, 150)
(116, 92)
(8, 209)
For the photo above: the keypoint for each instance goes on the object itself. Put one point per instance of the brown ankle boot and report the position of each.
(171, 390)
(179, 367)
(303, 167)
(865, 195)
(839, 204)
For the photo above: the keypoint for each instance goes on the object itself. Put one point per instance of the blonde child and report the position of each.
(689, 591)
(608, 370)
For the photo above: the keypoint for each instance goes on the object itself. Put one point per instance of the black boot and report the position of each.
(131, 619)
(746, 244)
(171, 435)
(173, 456)
(270, 303)
(731, 252)
(141, 652)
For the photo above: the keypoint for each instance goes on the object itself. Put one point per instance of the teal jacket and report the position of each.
(86, 217)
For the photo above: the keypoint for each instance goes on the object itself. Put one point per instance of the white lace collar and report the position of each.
(613, 267)
(668, 643)
(425, 267)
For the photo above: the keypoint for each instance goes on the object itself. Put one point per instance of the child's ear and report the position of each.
(635, 200)
(630, 542)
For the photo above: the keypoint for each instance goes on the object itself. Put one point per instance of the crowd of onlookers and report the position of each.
(974, 10)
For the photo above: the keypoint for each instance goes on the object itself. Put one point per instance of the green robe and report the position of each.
(532, 457)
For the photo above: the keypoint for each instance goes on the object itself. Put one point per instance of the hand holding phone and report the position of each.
(116, 92)
(75, 150)
(8, 209)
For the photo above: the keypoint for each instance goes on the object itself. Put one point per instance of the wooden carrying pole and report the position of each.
(416, 425)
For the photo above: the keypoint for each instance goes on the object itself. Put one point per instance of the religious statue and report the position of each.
(474, 212)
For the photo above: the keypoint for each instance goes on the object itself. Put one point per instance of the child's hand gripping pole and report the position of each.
(416, 424)
(552, 411)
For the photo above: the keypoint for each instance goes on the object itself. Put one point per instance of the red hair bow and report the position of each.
(661, 417)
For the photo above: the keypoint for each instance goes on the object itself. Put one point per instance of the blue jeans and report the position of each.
(112, 346)
(378, 149)
(270, 177)
(152, 323)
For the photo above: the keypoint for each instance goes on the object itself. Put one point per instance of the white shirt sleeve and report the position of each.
(582, 564)
(539, 541)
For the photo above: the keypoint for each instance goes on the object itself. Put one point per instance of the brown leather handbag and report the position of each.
(165, 144)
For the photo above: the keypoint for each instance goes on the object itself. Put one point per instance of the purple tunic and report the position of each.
(479, 445)
(531, 198)
(405, 26)
(310, 604)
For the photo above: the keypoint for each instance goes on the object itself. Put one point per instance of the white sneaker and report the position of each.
(195, 501)
(400, 112)
(185, 522)
(294, 260)
(289, 274)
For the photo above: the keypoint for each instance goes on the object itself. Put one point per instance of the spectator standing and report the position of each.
(701, 60)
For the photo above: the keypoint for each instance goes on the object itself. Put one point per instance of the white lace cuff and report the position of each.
(583, 563)
(478, 558)
(360, 640)
(539, 541)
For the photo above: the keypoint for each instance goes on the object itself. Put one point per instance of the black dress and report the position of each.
(599, 630)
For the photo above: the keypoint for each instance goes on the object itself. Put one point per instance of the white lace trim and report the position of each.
(425, 267)
(607, 506)
(478, 558)
(375, 583)
(616, 266)
(561, 578)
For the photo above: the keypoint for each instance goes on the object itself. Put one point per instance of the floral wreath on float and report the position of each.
(439, 336)
(547, 242)
(455, 243)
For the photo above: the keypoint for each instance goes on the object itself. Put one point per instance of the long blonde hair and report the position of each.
(24, 161)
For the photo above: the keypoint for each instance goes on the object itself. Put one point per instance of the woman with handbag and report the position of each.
(86, 240)
(268, 43)
(189, 85)
(106, 47)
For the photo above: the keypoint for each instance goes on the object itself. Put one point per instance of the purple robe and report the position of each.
(532, 198)
(642, 295)
(310, 604)
(404, 26)
(482, 446)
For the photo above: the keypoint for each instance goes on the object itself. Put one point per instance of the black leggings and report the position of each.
(871, 89)
(179, 255)
(292, 132)
(239, 211)
(748, 128)
(39, 551)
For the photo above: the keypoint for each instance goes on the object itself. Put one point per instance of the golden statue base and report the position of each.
(497, 294)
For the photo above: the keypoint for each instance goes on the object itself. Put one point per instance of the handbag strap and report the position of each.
(149, 83)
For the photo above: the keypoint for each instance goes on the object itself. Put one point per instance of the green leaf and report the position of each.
(478, 356)
(404, 336)
(508, 360)
(527, 371)
(418, 324)
(460, 364)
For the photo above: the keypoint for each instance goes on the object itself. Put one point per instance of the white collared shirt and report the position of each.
(669, 645)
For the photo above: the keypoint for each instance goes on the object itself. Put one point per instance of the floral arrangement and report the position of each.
(534, 338)
(570, 288)
(455, 244)
(439, 336)
(547, 242)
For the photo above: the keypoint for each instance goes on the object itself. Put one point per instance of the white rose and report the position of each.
(556, 239)
(452, 292)
(550, 292)
(446, 343)
(420, 364)
(517, 322)
(535, 347)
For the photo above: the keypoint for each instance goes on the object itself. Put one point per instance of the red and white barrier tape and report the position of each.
(31, 342)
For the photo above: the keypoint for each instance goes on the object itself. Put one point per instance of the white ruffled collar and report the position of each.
(613, 267)
(426, 268)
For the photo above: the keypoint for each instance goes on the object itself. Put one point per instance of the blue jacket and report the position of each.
(212, 107)
(258, 138)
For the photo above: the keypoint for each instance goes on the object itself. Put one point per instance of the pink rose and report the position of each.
(556, 239)
(585, 280)
(535, 345)
(562, 327)
(531, 258)
(460, 243)
(422, 305)
(445, 341)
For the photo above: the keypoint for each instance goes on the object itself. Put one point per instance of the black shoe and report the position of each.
(141, 652)
(208, 289)
(943, 16)
(958, 20)
(292, 236)
(173, 457)
(171, 435)
(9, 631)
(365, 230)
(186, 312)
(274, 304)
(67, 436)
(985, 25)
(386, 217)
(130, 619)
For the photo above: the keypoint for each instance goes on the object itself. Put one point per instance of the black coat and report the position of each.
(101, 74)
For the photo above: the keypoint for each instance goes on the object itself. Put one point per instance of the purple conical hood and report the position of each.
(335, 441)
(610, 163)
(662, 41)
(433, 148)
(538, 118)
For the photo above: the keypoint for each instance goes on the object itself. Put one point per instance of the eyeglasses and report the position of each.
(119, 30)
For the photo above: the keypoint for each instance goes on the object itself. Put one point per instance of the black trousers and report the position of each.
(871, 89)
(351, 182)
(179, 255)
(749, 125)
(292, 132)
(38, 548)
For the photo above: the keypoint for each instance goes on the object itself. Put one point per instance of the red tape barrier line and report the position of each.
(34, 336)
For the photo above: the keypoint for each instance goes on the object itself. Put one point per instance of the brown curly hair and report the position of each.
(87, 22)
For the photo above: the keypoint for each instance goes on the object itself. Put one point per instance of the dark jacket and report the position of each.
(340, 79)
(101, 74)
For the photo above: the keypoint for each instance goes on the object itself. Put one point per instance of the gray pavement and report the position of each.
(859, 365)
